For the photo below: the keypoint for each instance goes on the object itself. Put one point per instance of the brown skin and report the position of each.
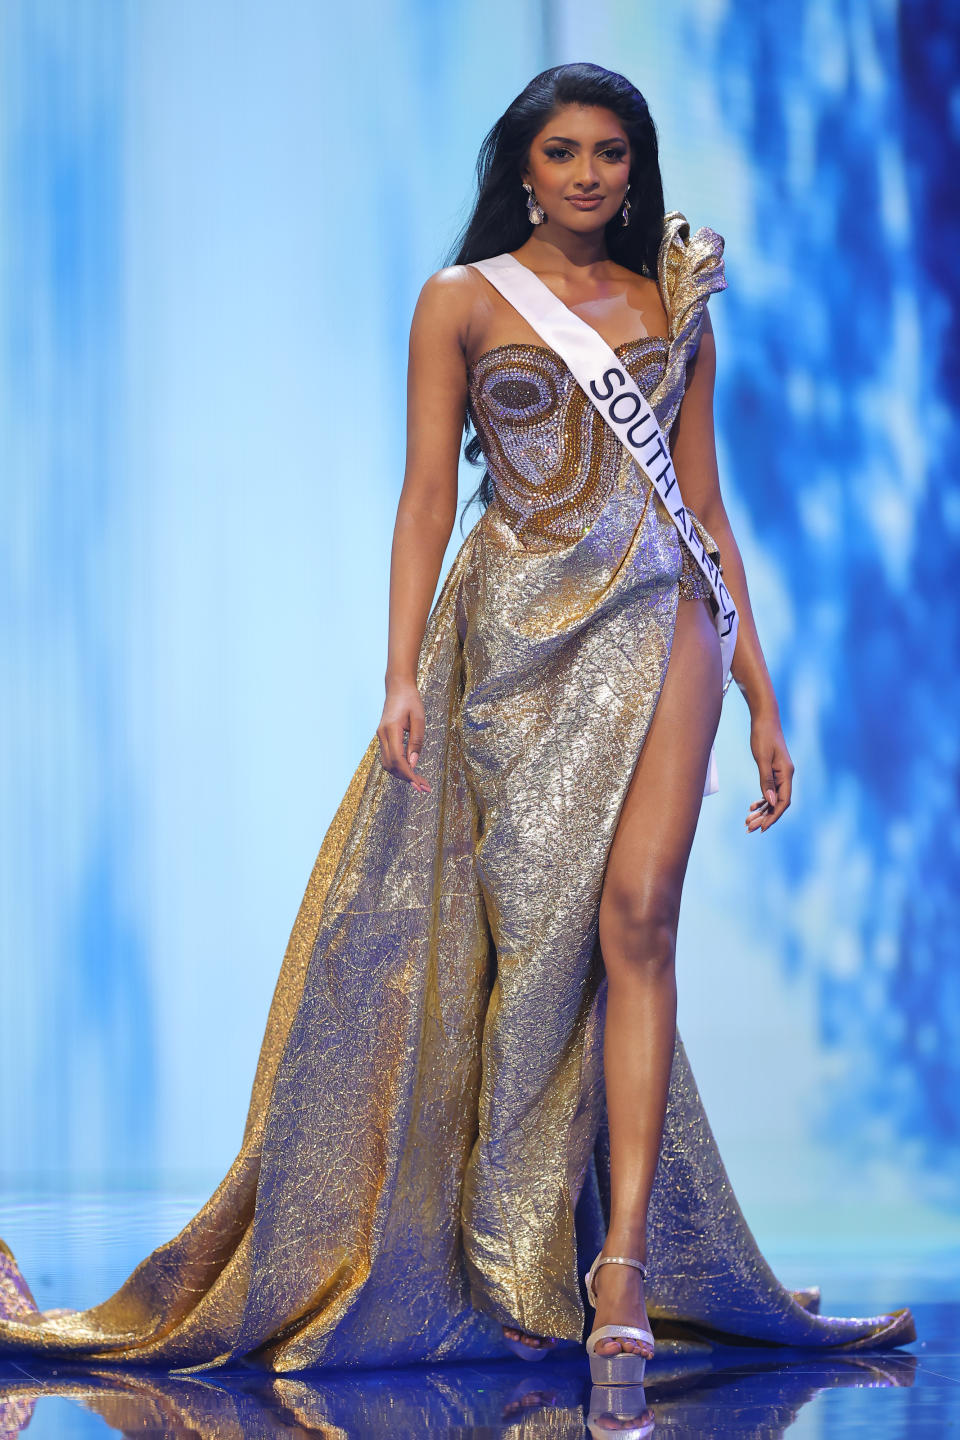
(584, 151)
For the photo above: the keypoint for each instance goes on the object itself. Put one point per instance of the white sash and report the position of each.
(599, 373)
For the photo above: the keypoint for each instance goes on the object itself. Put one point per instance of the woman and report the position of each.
(471, 1079)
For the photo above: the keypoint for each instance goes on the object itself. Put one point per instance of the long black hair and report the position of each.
(499, 220)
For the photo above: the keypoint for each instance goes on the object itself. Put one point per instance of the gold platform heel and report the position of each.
(624, 1367)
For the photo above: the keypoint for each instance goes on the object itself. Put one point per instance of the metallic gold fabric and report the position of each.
(427, 1117)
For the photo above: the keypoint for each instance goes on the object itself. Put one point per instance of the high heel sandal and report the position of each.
(624, 1367)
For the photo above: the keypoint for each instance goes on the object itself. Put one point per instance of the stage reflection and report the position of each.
(686, 1394)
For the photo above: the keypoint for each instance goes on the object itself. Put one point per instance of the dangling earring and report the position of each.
(625, 212)
(534, 209)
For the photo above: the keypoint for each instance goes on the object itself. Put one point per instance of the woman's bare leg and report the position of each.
(639, 911)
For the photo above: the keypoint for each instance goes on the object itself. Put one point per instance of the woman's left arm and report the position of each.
(694, 454)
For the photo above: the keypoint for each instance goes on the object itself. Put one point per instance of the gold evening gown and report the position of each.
(424, 1156)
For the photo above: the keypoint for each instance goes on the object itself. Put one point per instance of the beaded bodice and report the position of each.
(552, 459)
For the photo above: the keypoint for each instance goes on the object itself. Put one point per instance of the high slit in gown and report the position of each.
(425, 1154)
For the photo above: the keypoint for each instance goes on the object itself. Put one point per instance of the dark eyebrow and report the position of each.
(615, 140)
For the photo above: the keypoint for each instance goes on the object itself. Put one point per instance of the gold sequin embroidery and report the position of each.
(552, 460)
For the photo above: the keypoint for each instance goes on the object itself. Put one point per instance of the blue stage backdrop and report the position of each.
(216, 221)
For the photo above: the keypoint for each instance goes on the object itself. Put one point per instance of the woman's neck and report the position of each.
(563, 251)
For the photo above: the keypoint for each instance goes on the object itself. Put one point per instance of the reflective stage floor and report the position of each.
(76, 1251)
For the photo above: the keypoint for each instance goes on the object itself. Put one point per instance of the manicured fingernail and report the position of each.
(771, 797)
(414, 757)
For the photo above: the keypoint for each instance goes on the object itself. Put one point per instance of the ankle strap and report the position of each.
(610, 1260)
(621, 1260)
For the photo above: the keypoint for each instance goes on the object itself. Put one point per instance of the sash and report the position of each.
(598, 371)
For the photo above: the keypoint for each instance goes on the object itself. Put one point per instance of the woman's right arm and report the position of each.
(436, 401)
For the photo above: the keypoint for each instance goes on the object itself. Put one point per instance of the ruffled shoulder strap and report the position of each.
(689, 270)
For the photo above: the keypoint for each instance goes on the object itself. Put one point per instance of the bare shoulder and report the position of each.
(446, 302)
(452, 280)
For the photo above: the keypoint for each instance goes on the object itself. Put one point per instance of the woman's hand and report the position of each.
(776, 771)
(402, 711)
